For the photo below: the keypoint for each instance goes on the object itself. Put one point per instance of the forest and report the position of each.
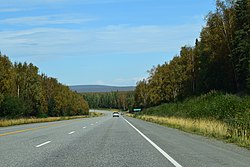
(26, 93)
(220, 60)
(116, 100)
(208, 81)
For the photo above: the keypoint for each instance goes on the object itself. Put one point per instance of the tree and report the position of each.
(29, 83)
(7, 76)
(23, 92)
(141, 93)
(241, 43)
(217, 71)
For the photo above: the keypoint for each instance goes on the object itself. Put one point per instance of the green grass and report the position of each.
(20, 121)
(212, 105)
(205, 127)
(201, 115)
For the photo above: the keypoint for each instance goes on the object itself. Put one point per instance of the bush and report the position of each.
(212, 105)
(42, 116)
(13, 107)
(231, 109)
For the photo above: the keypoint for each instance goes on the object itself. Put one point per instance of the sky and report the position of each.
(104, 42)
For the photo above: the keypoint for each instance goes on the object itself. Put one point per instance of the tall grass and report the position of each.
(214, 109)
(211, 128)
(205, 127)
(20, 121)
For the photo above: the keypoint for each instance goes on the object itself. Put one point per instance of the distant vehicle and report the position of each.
(115, 114)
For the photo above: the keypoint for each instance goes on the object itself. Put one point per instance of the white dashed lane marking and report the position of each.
(47, 142)
(71, 132)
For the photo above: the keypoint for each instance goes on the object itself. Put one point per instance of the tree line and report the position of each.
(220, 60)
(24, 93)
(115, 100)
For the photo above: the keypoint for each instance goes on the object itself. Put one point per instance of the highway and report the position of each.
(113, 142)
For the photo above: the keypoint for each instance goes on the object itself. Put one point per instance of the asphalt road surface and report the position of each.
(113, 142)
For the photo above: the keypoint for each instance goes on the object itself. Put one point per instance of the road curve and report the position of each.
(113, 142)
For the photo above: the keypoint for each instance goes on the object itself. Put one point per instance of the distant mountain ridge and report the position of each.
(100, 88)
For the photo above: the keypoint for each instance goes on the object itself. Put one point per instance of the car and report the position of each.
(115, 114)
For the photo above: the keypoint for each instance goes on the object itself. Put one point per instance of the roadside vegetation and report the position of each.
(114, 100)
(20, 121)
(26, 93)
(220, 60)
(223, 116)
(207, 85)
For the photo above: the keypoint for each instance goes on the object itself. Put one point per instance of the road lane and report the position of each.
(113, 142)
(19, 149)
(193, 150)
(34, 126)
(174, 162)
(109, 139)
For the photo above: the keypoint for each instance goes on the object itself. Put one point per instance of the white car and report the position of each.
(115, 114)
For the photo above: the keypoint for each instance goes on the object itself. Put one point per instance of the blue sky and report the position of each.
(110, 42)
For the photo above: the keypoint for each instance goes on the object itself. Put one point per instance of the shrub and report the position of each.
(13, 107)
(231, 109)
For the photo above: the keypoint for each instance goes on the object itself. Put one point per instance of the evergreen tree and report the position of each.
(241, 43)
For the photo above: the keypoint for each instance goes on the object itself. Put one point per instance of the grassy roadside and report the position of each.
(11, 122)
(206, 127)
(215, 114)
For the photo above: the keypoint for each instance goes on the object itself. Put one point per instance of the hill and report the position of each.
(100, 88)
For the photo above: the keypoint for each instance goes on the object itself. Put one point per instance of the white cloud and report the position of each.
(101, 41)
(9, 10)
(33, 3)
(44, 20)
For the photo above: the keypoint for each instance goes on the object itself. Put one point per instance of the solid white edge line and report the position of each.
(176, 164)
(91, 124)
(47, 142)
(71, 132)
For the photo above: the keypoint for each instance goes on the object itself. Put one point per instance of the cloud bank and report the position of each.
(85, 42)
